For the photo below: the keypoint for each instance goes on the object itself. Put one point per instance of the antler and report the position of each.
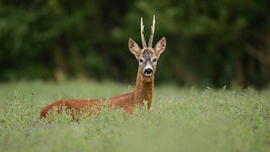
(152, 32)
(142, 33)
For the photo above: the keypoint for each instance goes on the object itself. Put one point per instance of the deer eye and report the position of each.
(154, 60)
(141, 60)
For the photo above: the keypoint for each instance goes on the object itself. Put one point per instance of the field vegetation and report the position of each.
(181, 119)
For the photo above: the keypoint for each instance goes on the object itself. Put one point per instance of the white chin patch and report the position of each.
(148, 75)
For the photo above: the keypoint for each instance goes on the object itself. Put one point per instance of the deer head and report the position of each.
(147, 56)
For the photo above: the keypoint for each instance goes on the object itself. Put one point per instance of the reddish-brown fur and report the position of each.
(143, 90)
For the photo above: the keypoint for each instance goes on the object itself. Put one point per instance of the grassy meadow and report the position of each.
(181, 119)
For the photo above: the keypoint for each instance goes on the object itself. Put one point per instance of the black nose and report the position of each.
(148, 71)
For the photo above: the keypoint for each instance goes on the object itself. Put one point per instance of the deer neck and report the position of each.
(144, 89)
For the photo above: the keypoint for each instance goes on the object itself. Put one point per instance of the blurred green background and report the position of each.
(209, 43)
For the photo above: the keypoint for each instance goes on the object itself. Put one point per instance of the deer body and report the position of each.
(147, 57)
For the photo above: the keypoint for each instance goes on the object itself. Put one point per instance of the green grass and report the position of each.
(184, 119)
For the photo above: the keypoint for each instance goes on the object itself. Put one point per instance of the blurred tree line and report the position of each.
(209, 42)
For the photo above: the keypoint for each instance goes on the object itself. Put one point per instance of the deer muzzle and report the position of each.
(148, 72)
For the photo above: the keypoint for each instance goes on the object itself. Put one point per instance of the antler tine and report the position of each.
(142, 33)
(152, 32)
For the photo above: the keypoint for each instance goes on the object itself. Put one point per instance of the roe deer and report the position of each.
(147, 58)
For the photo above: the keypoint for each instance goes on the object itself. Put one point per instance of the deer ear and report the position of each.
(161, 45)
(134, 47)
